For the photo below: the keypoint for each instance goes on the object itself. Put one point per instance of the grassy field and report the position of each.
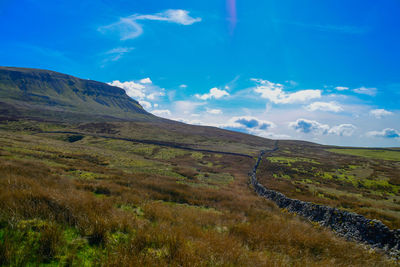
(90, 201)
(370, 153)
(359, 180)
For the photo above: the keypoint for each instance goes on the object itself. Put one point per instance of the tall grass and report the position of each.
(124, 218)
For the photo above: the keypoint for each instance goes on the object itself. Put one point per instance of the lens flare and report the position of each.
(232, 18)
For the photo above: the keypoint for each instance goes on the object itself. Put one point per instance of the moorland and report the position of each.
(81, 188)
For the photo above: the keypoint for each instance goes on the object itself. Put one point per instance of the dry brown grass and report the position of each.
(120, 218)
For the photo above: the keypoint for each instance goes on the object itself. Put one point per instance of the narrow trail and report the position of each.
(152, 142)
(350, 225)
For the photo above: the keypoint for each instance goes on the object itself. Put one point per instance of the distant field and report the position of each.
(370, 153)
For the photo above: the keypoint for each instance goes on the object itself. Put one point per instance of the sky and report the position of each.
(321, 71)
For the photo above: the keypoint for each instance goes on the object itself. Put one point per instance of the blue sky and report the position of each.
(323, 71)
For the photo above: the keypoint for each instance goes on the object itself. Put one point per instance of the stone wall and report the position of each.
(346, 224)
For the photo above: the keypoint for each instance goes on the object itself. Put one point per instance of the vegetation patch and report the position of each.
(370, 153)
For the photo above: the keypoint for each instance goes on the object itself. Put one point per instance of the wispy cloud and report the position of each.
(366, 91)
(214, 111)
(186, 107)
(162, 112)
(129, 28)
(274, 92)
(117, 53)
(341, 88)
(324, 106)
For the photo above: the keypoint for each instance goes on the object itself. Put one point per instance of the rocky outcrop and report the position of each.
(346, 224)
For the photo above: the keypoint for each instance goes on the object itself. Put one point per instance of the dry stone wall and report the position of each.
(346, 224)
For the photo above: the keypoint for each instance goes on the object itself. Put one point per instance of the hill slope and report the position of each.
(49, 91)
(85, 105)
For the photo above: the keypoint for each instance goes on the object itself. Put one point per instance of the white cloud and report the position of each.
(145, 104)
(379, 113)
(366, 91)
(324, 106)
(248, 122)
(316, 128)
(274, 93)
(214, 93)
(161, 112)
(146, 80)
(154, 95)
(309, 126)
(183, 86)
(132, 89)
(140, 90)
(385, 133)
(129, 28)
(214, 111)
(341, 88)
(343, 130)
(178, 16)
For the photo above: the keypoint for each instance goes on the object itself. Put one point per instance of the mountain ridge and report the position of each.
(27, 88)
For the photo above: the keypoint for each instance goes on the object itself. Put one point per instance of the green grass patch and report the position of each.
(288, 160)
(169, 153)
(370, 153)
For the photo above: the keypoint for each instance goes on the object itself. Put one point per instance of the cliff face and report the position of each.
(42, 89)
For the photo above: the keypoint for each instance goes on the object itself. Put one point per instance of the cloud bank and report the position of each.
(316, 128)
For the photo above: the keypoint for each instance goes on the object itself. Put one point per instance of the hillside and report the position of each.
(50, 92)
